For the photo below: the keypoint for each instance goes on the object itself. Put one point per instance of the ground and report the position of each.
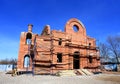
(47, 79)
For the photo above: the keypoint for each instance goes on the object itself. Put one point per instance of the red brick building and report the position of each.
(54, 50)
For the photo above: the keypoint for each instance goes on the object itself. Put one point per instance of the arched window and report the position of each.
(28, 38)
(26, 61)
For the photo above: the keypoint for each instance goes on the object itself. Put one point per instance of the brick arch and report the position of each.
(75, 22)
(29, 35)
(28, 38)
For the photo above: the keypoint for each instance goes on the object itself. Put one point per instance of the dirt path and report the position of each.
(38, 79)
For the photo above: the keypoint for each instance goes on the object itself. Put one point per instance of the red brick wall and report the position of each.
(47, 48)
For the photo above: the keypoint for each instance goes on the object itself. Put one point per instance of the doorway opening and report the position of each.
(76, 60)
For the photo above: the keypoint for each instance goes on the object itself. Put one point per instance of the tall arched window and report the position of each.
(26, 61)
(28, 38)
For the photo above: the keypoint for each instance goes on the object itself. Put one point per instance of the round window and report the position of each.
(75, 28)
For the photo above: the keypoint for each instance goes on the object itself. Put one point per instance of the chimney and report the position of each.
(30, 27)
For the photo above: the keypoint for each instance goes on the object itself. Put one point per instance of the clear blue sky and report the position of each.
(100, 17)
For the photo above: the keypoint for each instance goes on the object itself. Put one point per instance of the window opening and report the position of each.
(89, 44)
(90, 59)
(26, 61)
(75, 28)
(28, 41)
(60, 41)
(28, 38)
(59, 57)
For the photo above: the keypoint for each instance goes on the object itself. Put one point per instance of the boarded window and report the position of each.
(59, 57)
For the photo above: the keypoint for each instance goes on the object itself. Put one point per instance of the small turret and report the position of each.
(30, 27)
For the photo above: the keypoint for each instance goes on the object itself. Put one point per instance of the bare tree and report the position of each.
(110, 50)
(8, 61)
(104, 52)
(114, 46)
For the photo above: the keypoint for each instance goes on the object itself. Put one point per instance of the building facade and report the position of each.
(54, 50)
